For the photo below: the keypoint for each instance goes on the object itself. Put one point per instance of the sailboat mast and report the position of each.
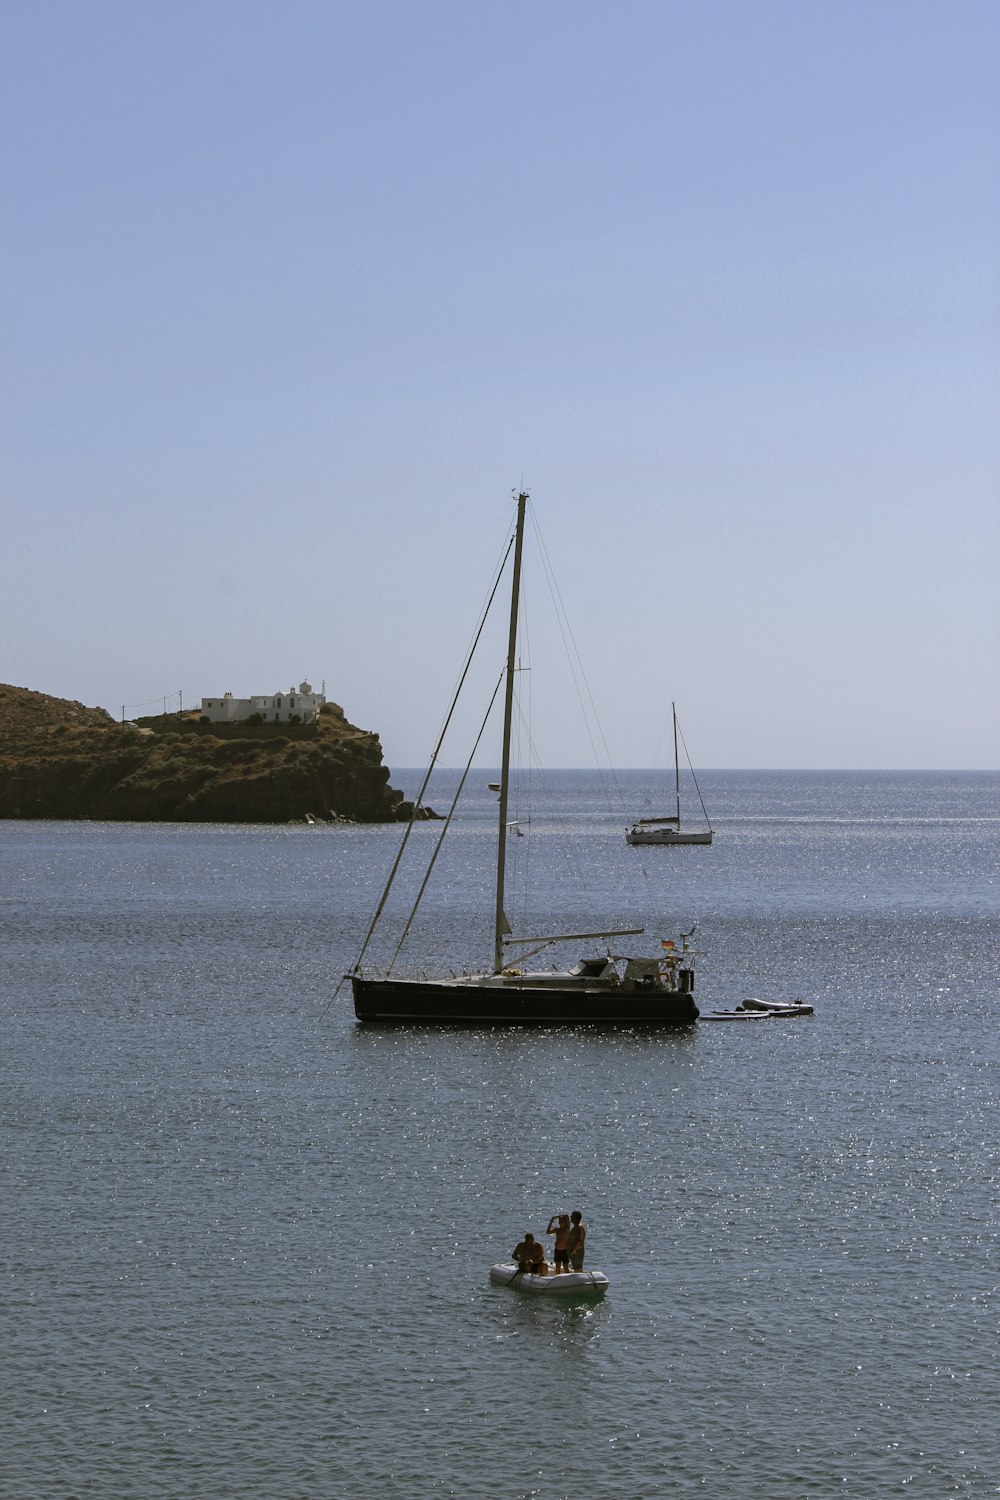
(500, 920)
(677, 768)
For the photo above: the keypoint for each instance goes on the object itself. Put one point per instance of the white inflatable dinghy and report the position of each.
(778, 1007)
(757, 1010)
(575, 1283)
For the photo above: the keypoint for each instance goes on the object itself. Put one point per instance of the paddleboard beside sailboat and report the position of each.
(609, 987)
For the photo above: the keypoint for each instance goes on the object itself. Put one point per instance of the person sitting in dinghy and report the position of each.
(528, 1255)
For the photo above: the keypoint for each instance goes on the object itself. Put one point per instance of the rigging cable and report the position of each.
(446, 825)
(694, 776)
(427, 775)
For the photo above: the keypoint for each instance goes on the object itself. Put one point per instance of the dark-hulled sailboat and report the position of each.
(606, 988)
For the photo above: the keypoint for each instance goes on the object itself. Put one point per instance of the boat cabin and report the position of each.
(594, 968)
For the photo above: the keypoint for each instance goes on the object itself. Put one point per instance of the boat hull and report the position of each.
(666, 836)
(566, 1284)
(479, 1002)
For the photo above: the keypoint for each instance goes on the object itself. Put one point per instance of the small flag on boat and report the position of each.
(666, 943)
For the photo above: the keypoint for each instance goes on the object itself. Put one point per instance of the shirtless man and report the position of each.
(577, 1237)
(559, 1226)
(528, 1254)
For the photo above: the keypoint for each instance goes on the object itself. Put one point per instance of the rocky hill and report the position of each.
(59, 759)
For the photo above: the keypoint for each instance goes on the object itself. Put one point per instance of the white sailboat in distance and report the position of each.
(667, 829)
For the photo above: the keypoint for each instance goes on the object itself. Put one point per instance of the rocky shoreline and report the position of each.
(59, 759)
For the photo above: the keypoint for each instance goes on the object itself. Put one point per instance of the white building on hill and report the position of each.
(274, 708)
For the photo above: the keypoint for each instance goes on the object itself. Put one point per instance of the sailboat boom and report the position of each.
(573, 937)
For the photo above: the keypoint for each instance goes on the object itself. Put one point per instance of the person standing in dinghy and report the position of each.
(577, 1239)
(559, 1225)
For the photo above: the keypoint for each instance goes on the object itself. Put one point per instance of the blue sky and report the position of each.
(294, 295)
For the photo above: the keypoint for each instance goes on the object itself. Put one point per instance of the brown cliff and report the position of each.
(59, 759)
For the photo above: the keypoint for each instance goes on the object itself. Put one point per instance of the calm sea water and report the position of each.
(247, 1242)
